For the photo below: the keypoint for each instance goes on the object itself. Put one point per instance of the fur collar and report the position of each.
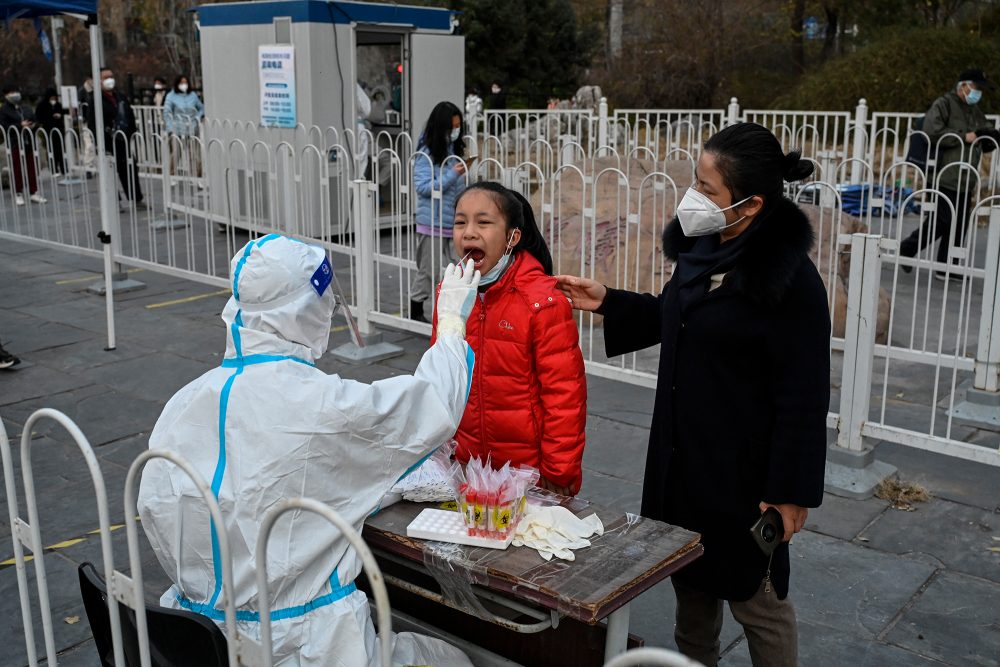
(781, 241)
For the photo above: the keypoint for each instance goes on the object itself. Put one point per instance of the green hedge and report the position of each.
(904, 71)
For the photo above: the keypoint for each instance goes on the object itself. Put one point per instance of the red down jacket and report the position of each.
(528, 402)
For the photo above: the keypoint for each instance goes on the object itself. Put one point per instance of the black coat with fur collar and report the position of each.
(741, 399)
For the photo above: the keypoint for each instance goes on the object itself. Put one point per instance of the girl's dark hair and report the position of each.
(751, 162)
(437, 132)
(517, 211)
(177, 82)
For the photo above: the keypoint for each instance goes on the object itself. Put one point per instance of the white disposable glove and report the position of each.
(456, 298)
(555, 531)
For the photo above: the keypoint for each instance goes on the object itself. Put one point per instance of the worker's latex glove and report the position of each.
(456, 298)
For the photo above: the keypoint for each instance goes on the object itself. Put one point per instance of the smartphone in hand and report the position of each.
(768, 530)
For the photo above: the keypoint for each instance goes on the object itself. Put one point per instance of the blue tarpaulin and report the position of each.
(854, 198)
(21, 9)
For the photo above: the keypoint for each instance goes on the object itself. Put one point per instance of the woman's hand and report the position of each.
(792, 516)
(459, 168)
(583, 293)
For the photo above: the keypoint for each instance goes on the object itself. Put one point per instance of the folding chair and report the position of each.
(176, 637)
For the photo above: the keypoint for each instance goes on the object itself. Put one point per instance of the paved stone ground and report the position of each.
(872, 585)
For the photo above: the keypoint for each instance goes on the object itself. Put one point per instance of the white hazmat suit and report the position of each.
(268, 425)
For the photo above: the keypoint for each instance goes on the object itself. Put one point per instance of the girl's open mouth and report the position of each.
(477, 256)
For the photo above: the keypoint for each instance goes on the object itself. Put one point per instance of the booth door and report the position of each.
(437, 72)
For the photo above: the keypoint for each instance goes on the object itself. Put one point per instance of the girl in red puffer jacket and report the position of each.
(528, 401)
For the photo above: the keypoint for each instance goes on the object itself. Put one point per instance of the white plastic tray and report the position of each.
(445, 526)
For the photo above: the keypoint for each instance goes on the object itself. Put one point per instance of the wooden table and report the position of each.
(632, 556)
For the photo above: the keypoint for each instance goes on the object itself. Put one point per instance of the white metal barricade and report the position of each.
(28, 533)
(624, 172)
(68, 220)
(808, 131)
(663, 130)
(241, 649)
(652, 657)
(372, 570)
(936, 348)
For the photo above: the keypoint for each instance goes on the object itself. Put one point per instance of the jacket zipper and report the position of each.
(479, 376)
(767, 575)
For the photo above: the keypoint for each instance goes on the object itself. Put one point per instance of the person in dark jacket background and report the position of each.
(743, 390)
(958, 132)
(119, 127)
(17, 125)
(49, 114)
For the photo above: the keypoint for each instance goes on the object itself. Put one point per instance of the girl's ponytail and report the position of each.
(532, 240)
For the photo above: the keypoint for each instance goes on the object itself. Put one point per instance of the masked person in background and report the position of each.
(954, 125)
(743, 387)
(17, 124)
(119, 128)
(85, 95)
(268, 425)
(182, 112)
(49, 114)
(438, 169)
(160, 91)
(363, 109)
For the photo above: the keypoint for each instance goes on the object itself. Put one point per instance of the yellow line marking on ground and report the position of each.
(96, 276)
(113, 528)
(11, 561)
(188, 299)
(66, 543)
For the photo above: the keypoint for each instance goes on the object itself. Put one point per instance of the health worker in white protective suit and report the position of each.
(268, 425)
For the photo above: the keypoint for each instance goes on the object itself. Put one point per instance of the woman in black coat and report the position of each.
(739, 422)
(49, 114)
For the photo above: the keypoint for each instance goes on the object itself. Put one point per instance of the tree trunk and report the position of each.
(616, 19)
(798, 38)
(832, 30)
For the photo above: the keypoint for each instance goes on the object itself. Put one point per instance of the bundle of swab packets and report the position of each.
(490, 503)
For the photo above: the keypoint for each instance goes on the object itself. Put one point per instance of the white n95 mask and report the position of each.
(700, 216)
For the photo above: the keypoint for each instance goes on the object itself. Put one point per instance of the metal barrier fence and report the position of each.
(47, 201)
(129, 590)
(28, 534)
(601, 206)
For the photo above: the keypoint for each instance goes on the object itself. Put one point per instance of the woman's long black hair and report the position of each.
(436, 137)
(752, 162)
(517, 211)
